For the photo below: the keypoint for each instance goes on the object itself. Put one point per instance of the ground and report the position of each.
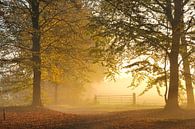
(43, 118)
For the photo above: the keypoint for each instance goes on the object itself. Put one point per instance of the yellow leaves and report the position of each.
(64, 42)
(56, 74)
(52, 69)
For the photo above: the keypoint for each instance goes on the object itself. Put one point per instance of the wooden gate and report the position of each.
(116, 99)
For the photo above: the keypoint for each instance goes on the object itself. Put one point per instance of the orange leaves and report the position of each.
(40, 118)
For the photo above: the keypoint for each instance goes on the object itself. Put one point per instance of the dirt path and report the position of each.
(100, 109)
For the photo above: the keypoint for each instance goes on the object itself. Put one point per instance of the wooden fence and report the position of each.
(116, 99)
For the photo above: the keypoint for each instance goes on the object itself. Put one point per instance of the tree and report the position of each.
(186, 67)
(131, 24)
(36, 52)
(35, 26)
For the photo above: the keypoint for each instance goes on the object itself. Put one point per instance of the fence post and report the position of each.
(4, 113)
(134, 99)
(95, 99)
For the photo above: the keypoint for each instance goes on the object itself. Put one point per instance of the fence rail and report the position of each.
(115, 99)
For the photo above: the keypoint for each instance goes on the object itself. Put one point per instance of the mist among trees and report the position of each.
(50, 45)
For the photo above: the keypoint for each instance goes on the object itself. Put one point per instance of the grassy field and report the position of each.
(42, 118)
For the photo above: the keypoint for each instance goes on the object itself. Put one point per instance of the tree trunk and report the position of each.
(172, 101)
(36, 57)
(186, 68)
(187, 74)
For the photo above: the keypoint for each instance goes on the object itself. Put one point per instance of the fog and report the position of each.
(82, 101)
(71, 94)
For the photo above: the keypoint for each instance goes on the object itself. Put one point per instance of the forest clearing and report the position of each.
(97, 64)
